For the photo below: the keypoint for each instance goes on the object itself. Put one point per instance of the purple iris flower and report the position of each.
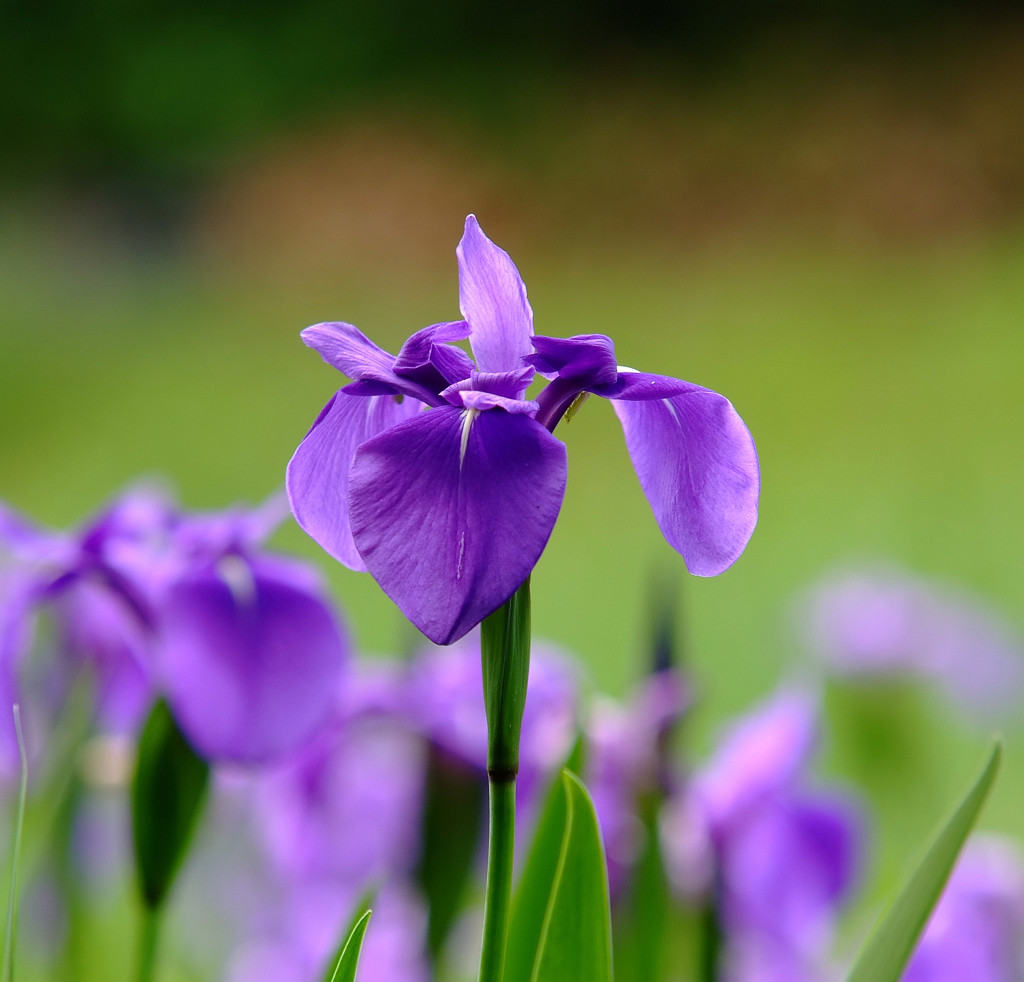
(883, 623)
(251, 654)
(778, 856)
(301, 934)
(444, 705)
(976, 931)
(626, 757)
(450, 509)
(99, 599)
(243, 644)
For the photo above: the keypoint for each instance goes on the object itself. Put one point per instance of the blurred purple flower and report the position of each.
(346, 807)
(444, 705)
(451, 509)
(251, 654)
(777, 857)
(977, 930)
(99, 598)
(626, 757)
(244, 645)
(302, 933)
(885, 623)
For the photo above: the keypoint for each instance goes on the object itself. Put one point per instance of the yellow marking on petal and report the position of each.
(576, 405)
(468, 416)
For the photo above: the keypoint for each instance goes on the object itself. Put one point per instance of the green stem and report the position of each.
(505, 651)
(710, 953)
(148, 934)
(498, 902)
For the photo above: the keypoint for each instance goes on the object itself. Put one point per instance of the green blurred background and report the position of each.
(814, 208)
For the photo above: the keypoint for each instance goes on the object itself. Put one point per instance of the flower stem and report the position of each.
(150, 929)
(505, 650)
(498, 897)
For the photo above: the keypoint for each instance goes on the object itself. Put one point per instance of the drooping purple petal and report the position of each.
(451, 511)
(250, 664)
(696, 462)
(318, 473)
(492, 297)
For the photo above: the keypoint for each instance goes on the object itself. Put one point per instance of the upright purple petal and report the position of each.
(492, 297)
(318, 473)
(451, 511)
(250, 663)
(697, 465)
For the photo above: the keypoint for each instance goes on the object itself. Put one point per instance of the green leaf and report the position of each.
(453, 821)
(168, 792)
(531, 900)
(891, 943)
(642, 921)
(561, 921)
(348, 960)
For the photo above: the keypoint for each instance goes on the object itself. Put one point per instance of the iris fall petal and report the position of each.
(318, 473)
(452, 509)
(697, 464)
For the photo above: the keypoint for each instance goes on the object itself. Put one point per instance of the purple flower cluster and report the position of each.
(148, 601)
(343, 815)
(439, 476)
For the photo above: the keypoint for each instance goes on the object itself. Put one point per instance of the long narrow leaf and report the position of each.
(348, 962)
(535, 886)
(891, 943)
(576, 938)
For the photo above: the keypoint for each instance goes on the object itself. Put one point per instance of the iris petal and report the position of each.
(696, 462)
(318, 473)
(492, 297)
(451, 511)
(251, 669)
(344, 347)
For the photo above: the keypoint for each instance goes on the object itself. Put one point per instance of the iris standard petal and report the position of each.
(451, 510)
(318, 473)
(430, 359)
(697, 465)
(492, 297)
(250, 663)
